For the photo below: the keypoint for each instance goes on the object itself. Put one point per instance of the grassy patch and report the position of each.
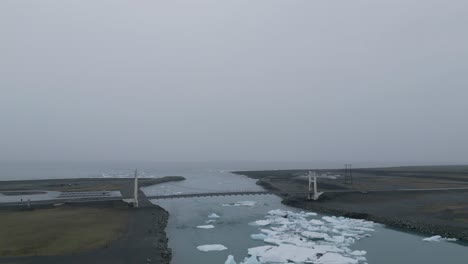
(59, 230)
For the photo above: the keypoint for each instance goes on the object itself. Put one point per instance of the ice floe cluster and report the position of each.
(304, 238)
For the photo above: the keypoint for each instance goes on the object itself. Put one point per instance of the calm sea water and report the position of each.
(232, 230)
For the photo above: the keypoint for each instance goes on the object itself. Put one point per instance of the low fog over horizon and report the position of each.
(171, 81)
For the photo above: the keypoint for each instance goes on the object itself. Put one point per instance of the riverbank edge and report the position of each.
(404, 225)
(163, 243)
(157, 227)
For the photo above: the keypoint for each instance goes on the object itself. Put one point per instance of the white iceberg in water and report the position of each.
(230, 260)
(316, 222)
(261, 223)
(213, 216)
(438, 239)
(205, 226)
(241, 203)
(294, 237)
(250, 260)
(214, 247)
(334, 258)
(315, 235)
(278, 212)
(258, 236)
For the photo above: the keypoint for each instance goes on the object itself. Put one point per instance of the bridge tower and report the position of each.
(316, 194)
(135, 191)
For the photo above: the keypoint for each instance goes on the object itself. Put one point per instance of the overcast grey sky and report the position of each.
(234, 80)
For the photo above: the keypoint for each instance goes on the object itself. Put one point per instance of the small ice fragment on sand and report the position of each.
(213, 216)
(205, 226)
(438, 239)
(215, 247)
(230, 260)
(261, 223)
(433, 239)
(258, 236)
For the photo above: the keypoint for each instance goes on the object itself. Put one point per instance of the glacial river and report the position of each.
(234, 227)
(238, 216)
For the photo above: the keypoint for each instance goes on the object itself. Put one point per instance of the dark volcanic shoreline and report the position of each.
(144, 240)
(428, 213)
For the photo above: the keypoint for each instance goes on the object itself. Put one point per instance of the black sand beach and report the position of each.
(139, 235)
(428, 212)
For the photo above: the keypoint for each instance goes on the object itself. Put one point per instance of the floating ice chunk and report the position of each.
(316, 222)
(241, 203)
(259, 251)
(214, 247)
(278, 212)
(269, 232)
(251, 260)
(433, 239)
(334, 258)
(230, 260)
(261, 223)
(332, 220)
(438, 239)
(213, 216)
(247, 203)
(258, 236)
(205, 226)
(210, 221)
(287, 253)
(311, 214)
(359, 252)
(314, 235)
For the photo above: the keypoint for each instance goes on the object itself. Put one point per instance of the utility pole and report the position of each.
(348, 177)
(309, 197)
(135, 192)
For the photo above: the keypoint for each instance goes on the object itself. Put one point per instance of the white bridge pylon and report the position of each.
(135, 191)
(314, 194)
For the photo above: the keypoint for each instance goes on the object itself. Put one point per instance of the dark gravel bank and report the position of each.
(428, 213)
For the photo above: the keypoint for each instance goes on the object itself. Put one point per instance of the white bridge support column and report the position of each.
(135, 191)
(313, 194)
